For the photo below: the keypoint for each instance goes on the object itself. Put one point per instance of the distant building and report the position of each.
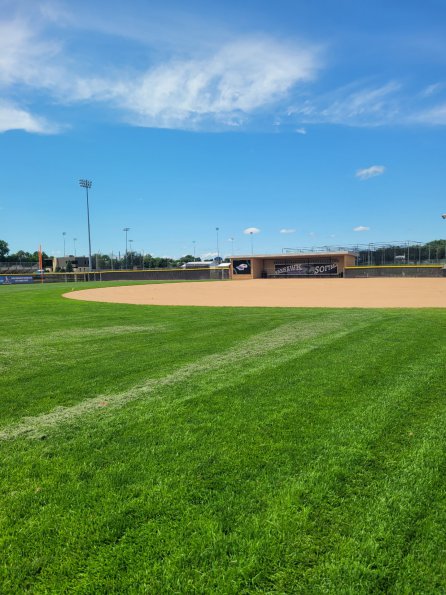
(79, 263)
(203, 264)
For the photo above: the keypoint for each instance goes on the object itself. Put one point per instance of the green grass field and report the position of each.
(219, 450)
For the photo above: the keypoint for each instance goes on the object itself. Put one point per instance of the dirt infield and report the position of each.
(284, 293)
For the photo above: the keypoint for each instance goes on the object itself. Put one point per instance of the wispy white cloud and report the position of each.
(301, 131)
(362, 104)
(27, 58)
(251, 230)
(287, 230)
(224, 87)
(361, 228)
(14, 118)
(370, 172)
(432, 89)
(434, 116)
(356, 104)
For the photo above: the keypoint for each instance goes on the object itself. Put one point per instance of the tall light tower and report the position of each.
(64, 233)
(126, 229)
(74, 242)
(252, 243)
(443, 216)
(217, 229)
(194, 242)
(87, 184)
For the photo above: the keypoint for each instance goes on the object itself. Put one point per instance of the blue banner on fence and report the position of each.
(14, 279)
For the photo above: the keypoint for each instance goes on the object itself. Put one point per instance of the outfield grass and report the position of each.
(220, 450)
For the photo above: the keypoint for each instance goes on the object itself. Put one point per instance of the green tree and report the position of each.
(4, 249)
(21, 256)
(184, 259)
(69, 267)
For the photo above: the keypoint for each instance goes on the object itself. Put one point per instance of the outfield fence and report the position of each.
(428, 270)
(204, 274)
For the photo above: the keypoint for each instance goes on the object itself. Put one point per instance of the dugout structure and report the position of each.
(291, 266)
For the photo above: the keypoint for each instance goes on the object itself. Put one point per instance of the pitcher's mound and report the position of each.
(283, 293)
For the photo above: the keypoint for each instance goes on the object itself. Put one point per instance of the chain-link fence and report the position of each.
(408, 252)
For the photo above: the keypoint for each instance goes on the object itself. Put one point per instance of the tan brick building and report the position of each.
(311, 264)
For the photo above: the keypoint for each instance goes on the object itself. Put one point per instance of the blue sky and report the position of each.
(314, 123)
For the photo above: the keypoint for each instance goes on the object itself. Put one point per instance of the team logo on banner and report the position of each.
(241, 267)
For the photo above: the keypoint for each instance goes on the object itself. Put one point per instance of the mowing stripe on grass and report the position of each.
(306, 337)
(12, 346)
(49, 344)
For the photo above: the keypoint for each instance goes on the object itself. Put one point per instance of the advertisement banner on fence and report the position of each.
(304, 268)
(14, 279)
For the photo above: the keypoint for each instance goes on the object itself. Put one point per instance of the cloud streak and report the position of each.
(370, 172)
(221, 87)
(210, 82)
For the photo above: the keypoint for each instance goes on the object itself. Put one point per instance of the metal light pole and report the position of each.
(74, 242)
(131, 252)
(252, 243)
(217, 229)
(87, 184)
(126, 229)
(64, 233)
(194, 242)
(443, 216)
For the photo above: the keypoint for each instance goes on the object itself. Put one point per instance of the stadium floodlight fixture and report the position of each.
(443, 216)
(87, 184)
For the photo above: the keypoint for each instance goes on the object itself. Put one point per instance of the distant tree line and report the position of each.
(135, 259)
(101, 261)
(20, 256)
